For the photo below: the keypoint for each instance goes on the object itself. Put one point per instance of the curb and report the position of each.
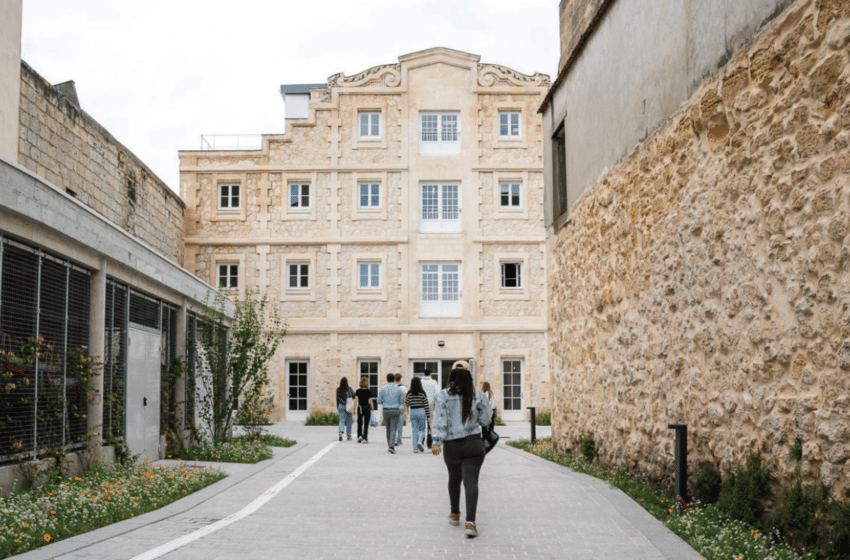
(669, 544)
(182, 505)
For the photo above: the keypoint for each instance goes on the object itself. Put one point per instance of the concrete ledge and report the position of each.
(184, 504)
(668, 543)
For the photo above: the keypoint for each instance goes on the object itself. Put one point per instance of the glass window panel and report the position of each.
(364, 195)
(364, 124)
(376, 195)
(515, 194)
(305, 196)
(430, 202)
(449, 128)
(364, 275)
(450, 202)
(429, 128)
(375, 269)
(293, 196)
(376, 124)
(514, 124)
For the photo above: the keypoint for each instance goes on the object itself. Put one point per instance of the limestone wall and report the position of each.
(706, 278)
(499, 221)
(359, 303)
(496, 151)
(531, 348)
(526, 302)
(63, 144)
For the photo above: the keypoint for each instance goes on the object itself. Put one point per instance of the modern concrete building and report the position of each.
(90, 256)
(397, 225)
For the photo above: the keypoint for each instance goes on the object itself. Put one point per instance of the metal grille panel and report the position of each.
(115, 360)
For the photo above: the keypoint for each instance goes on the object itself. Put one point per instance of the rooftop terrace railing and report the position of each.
(231, 141)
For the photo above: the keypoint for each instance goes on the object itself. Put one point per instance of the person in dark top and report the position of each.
(364, 404)
(344, 392)
(417, 406)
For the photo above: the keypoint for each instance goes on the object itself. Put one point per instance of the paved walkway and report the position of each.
(358, 501)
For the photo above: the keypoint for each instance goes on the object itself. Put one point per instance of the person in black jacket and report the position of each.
(364, 404)
(344, 392)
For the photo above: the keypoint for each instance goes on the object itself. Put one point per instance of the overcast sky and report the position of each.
(159, 73)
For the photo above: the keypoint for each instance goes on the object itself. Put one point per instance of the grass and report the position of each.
(74, 505)
(271, 440)
(237, 450)
(543, 419)
(498, 421)
(714, 535)
(322, 419)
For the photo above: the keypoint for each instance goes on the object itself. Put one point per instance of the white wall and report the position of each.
(10, 76)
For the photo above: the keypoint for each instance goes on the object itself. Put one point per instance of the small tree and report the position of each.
(234, 366)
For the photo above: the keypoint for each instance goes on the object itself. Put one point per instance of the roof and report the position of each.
(301, 88)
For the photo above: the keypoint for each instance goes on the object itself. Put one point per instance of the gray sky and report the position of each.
(159, 73)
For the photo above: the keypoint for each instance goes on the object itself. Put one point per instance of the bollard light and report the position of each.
(533, 424)
(681, 485)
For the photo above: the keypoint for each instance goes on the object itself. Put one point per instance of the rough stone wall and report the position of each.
(575, 18)
(537, 385)
(512, 224)
(349, 196)
(309, 144)
(277, 281)
(313, 347)
(63, 144)
(369, 346)
(391, 275)
(208, 254)
(391, 123)
(207, 204)
(492, 150)
(301, 227)
(706, 279)
(491, 281)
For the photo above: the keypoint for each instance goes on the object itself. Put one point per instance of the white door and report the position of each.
(297, 374)
(143, 391)
(512, 408)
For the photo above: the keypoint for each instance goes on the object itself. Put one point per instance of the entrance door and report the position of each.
(512, 408)
(418, 367)
(296, 387)
(143, 394)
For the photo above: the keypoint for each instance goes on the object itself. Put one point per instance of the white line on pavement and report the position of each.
(244, 512)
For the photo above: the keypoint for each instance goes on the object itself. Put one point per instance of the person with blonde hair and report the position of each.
(459, 412)
(364, 405)
(491, 397)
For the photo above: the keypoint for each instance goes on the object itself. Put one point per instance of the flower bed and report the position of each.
(237, 450)
(75, 505)
(714, 535)
(272, 440)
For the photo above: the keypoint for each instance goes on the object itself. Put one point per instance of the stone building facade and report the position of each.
(704, 277)
(398, 225)
(65, 145)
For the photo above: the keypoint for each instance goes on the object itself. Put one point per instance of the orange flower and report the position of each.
(25, 524)
(52, 512)
(78, 479)
(46, 538)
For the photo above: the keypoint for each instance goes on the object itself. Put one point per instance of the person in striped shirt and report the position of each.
(417, 408)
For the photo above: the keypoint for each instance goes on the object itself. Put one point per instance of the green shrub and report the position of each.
(795, 452)
(838, 544)
(322, 419)
(498, 421)
(236, 450)
(708, 485)
(797, 514)
(271, 440)
(588, 448)
(743, 494)
(543, 419)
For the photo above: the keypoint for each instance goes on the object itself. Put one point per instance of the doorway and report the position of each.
(440, 369)
(297, 374)
(512, 389)
(143, 394)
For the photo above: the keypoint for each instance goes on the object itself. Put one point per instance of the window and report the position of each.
(559, 171)
(440, 290)
(228, 276)
(440, 134)
(369, 275)
(299, 276)
(512, 385)
(228, 196)
(440, 208)
(370, 125)
(370, 195)
(511, 275)
(509, 195)
(299, 195)
(509, 124)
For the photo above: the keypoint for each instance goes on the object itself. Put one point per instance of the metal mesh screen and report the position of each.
(191, 360)
(168, 402)
(144, 310)
(44, 313)
(115, 360)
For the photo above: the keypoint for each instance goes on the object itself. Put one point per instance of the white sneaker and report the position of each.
(471, 532)
(454, 519)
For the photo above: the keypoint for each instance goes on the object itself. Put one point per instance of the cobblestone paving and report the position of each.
(360, 501)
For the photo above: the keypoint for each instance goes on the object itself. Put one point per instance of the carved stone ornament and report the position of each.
(490, 75)
(387, 75)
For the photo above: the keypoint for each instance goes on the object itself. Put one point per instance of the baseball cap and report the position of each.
(460, 364)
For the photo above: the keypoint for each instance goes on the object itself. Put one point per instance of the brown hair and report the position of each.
(343, 388)
(398, 377)
(486, 388)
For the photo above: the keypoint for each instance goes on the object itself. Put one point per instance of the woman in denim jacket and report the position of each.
(459, 412)
(344, 392)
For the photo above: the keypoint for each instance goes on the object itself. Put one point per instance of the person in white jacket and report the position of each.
(431, 390)
(491, 398)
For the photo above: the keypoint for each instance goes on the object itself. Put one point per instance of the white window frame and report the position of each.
(230, 196)
(229, 276)
(298, 293)
(373, 272)
(508, 117)
(440, 223)
(368, 293)
(523, 359)
(299, 276)
(521, 293)
(439, 146)
(510, 187)
(434, 304)
(519, 275)
(300, 196)
(297, 414)
(372, 186)
(371, 116)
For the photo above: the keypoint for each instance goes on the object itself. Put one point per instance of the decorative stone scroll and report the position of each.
(490, 75)
(387, 75)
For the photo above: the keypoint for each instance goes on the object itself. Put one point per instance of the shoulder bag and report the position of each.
(429, 441)
(349, 404)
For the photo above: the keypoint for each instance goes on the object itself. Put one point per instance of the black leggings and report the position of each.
(464, 458)
(363, 424)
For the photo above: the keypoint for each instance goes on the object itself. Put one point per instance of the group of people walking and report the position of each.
(458, 417)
